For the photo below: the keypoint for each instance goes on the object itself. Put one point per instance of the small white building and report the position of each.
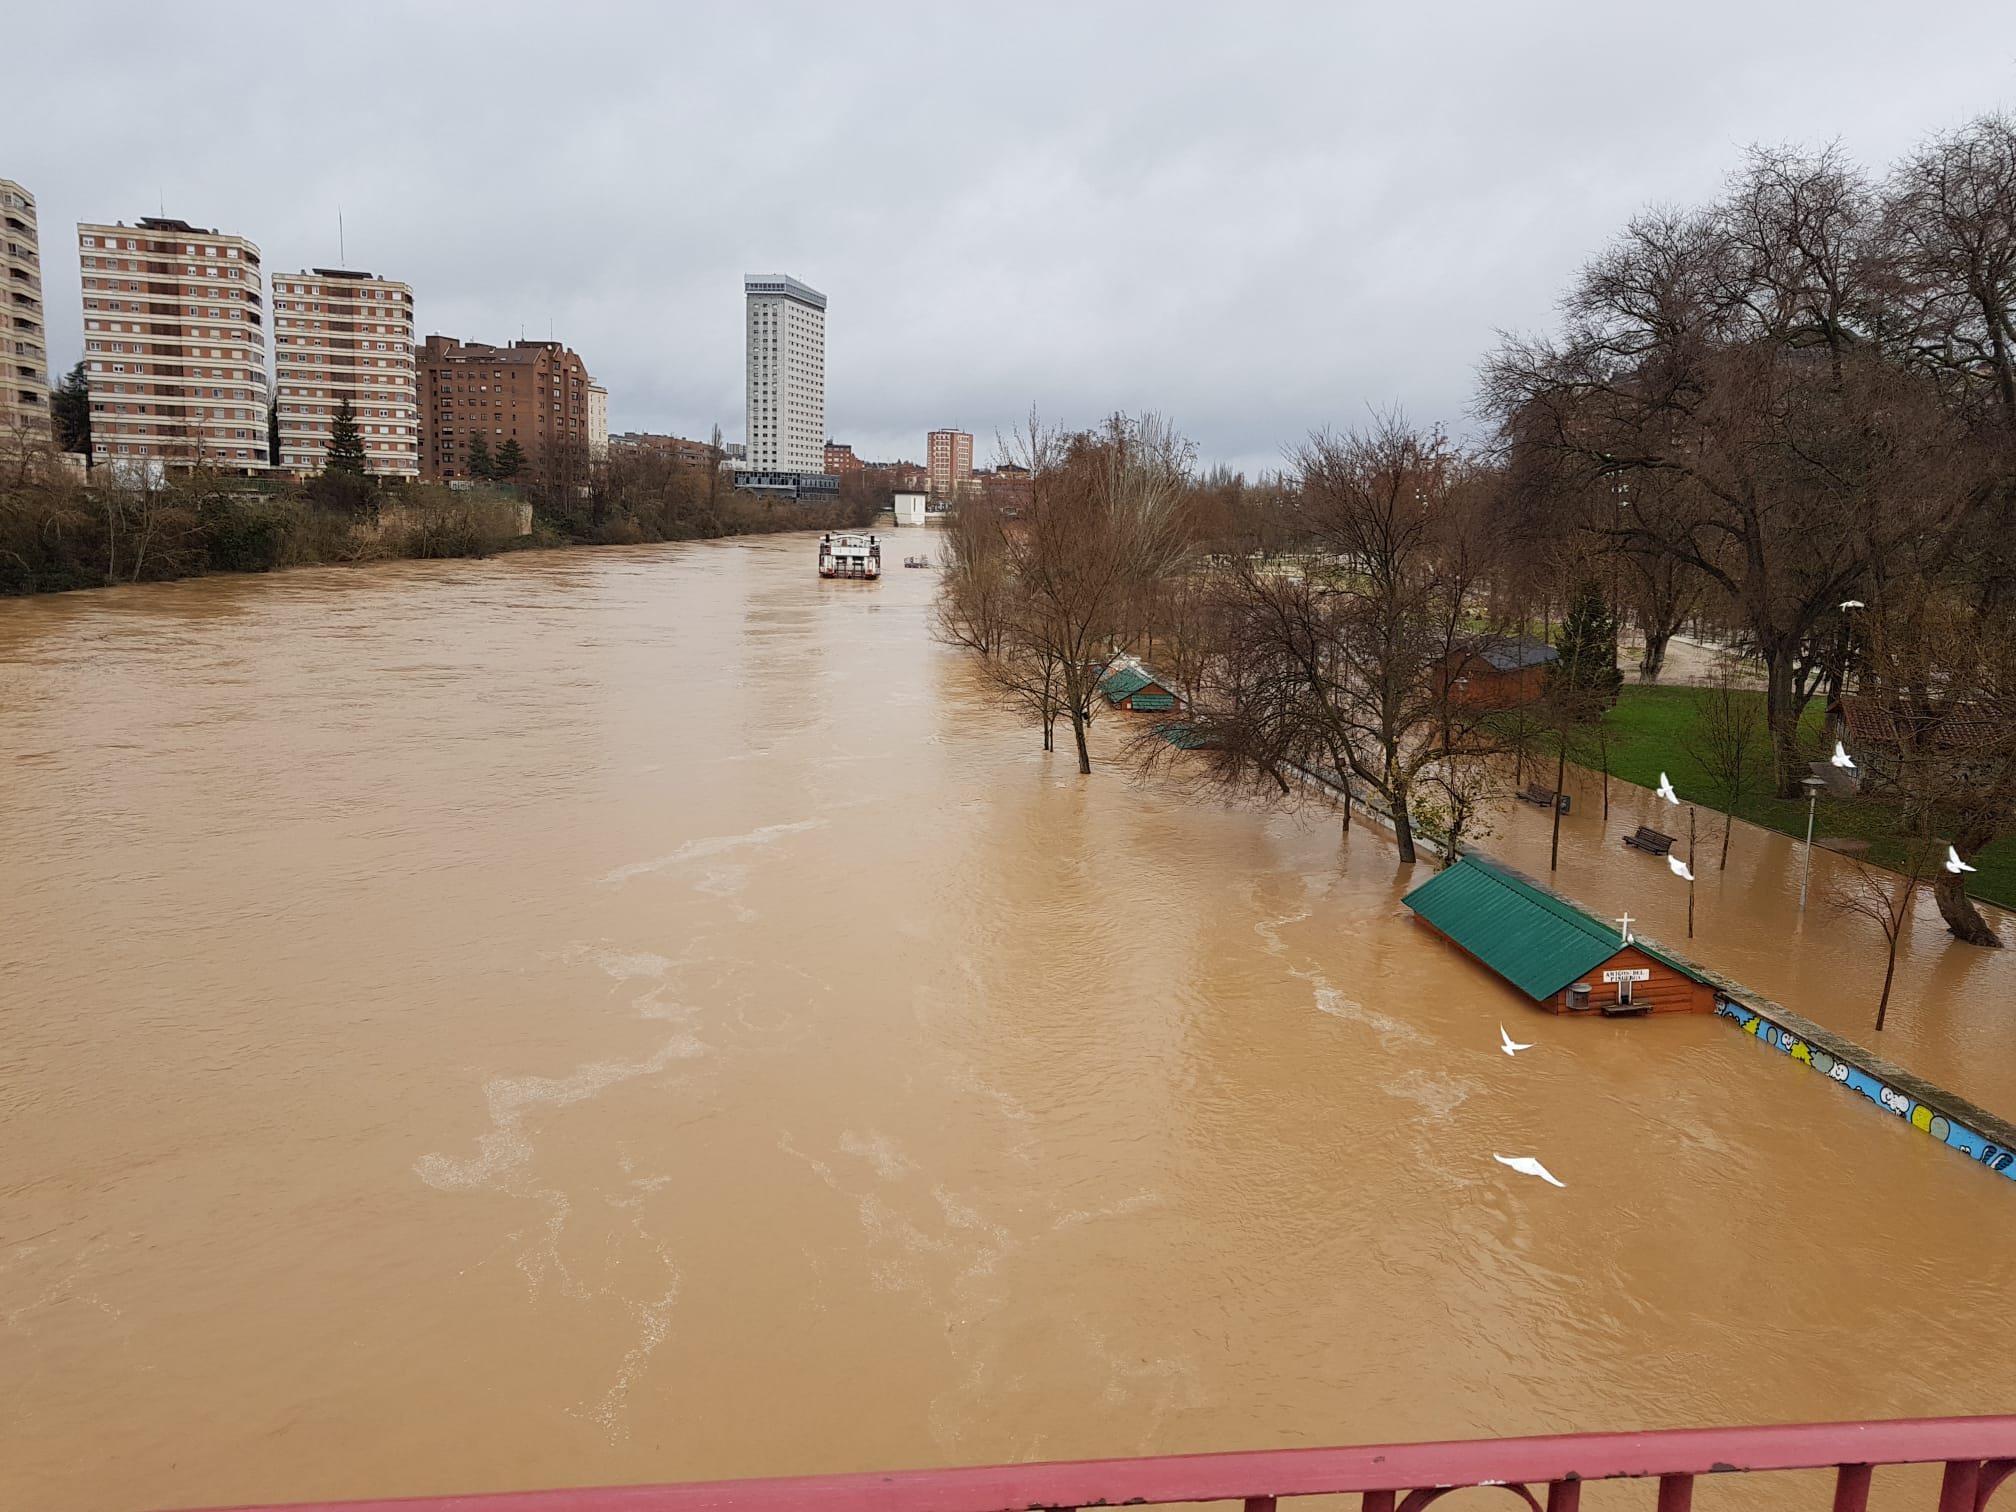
(910, 505)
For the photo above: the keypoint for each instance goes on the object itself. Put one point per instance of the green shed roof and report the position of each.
(1122, 681)
(1538, 942)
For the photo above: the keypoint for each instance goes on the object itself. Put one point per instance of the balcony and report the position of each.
(1976, 1455)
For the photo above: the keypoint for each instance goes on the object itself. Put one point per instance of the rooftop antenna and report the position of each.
(342, 254)
(163, 200)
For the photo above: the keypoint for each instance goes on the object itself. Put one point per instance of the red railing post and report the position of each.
(1992, 1475)
(1851, 1489)
(1676, 1493)
(1378, 1501)
(1956, 1487)
(1564, 1496)
(1259, 1504)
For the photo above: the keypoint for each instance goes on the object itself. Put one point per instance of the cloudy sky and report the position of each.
(1256, 218)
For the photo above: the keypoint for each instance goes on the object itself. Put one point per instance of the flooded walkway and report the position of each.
(642, 1014)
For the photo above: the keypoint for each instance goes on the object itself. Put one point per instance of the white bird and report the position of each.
(1953, 864)
(1512, 1046)
(1526, 1165)
(1841, 758)
(1665, 789)
(1853, 604)
(1679, 867)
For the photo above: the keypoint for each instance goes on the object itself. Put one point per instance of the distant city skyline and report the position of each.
(1128, 209)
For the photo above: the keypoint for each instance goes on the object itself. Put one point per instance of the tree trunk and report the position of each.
(1960, 914)
(1889, 975)
(1653, 662)
(1403, 829)
(1560, 776)
(1078, 730)
(1782, 713)
(1728, 823)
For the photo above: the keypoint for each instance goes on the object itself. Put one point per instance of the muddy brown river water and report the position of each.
(645, 1014)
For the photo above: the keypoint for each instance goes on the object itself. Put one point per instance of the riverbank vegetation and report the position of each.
(60, 531)
(1784, 421)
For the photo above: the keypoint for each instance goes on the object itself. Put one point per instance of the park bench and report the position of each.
(1650, 841)
(1544, 797)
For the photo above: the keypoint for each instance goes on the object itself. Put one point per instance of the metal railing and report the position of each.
(1978, 1454)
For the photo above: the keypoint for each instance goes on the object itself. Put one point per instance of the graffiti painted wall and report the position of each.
(1921, 1116)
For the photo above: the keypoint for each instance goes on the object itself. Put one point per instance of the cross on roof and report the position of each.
(1624, 925)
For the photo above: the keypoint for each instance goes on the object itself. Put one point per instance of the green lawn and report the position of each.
(1649, 730)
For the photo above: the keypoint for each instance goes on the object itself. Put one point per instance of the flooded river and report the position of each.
(644, 1014)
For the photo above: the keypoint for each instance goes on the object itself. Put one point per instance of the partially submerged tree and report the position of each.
(1725, 740)
(1347, 667)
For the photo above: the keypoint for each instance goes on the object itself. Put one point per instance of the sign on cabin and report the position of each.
(1641, 974)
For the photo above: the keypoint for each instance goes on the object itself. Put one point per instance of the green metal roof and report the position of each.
(1123, 681)
(1149, 702)
(1538, 942)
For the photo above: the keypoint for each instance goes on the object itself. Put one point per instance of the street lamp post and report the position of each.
(1813, 785)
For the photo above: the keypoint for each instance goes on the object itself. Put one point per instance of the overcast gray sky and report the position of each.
(1256, 218)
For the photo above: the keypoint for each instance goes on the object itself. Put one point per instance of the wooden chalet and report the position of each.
(1498, 672)
(1564, 959)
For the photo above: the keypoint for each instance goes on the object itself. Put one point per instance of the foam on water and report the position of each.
(712, 845)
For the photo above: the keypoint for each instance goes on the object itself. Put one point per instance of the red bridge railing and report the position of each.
(1978, 1453)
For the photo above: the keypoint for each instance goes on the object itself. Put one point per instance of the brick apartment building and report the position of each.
(680, 450)
(840, 458)
(950, 458)
(531, 392)
(337, 335)
(174, 345)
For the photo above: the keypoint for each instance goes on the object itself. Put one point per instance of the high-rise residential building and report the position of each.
(950, 459)
(598, 422)
(174, 345)
(341, 335)
(531, 392)
(787, 374)
(24, 349)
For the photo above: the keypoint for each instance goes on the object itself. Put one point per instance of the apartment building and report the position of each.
(340, 335)
(840, 458)
(949, 456)
(598, 423)
(676, 449)
(531, 392)
(786, 374)
(24, 351)
(174, 345)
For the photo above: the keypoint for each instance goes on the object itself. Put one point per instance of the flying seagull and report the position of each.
(1512, 1047)
(1953, 864)
(1665, 789)
(1526, 1165)
(1841, 758)
(1853, 604)
(1679, 867)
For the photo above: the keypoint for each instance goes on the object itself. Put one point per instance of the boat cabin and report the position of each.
(1563, 958)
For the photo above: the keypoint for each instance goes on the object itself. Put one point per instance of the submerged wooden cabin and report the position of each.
(1135, 688)
(1563, 958)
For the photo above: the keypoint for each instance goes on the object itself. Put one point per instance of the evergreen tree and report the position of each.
(346, 443)
(509, 459)
(272, 434)
(70, 410)
(479, 464)
(1585, 681)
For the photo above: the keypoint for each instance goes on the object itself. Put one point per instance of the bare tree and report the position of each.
(1724, 742)
(1885, 898)
(1345, 666)
(1104, 518)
